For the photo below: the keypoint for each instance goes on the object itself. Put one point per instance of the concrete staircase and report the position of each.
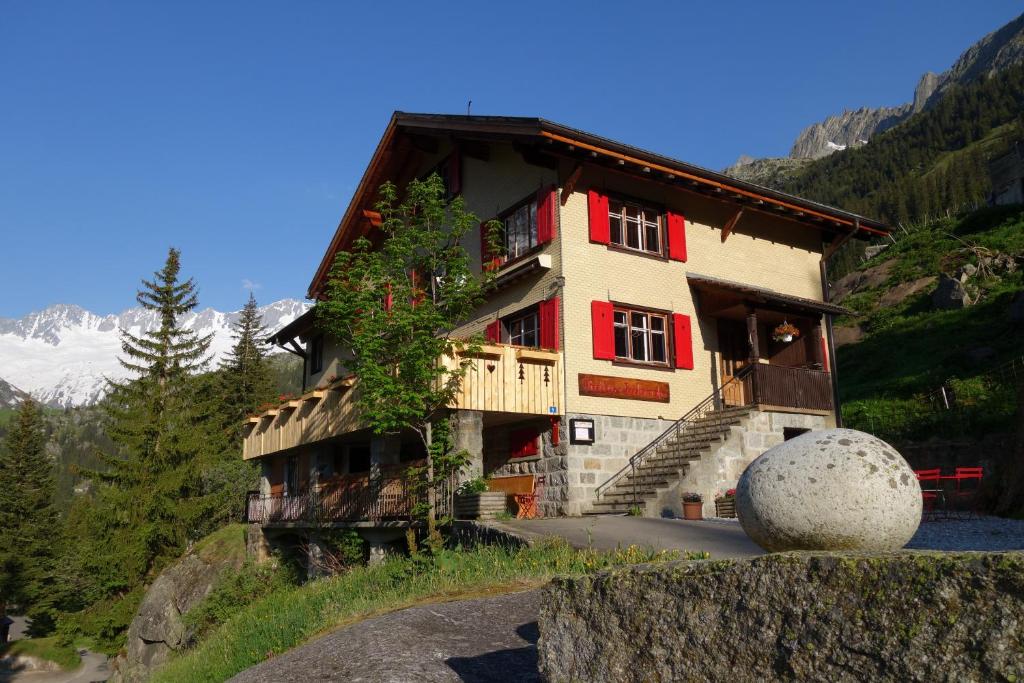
(667, 465)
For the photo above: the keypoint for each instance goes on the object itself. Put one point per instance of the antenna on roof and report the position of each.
(469, 105)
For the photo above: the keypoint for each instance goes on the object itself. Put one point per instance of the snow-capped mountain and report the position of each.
(10, 396)
(64, 354)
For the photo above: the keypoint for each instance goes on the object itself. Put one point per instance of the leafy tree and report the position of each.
(393, 303)
(28, 518)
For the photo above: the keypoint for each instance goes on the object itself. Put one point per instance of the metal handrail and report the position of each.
(677, 428)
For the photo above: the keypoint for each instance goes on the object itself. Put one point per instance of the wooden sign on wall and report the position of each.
(621, 387)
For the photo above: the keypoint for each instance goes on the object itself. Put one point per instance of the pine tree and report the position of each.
(246, 378)
(28, 518)
(158, 425)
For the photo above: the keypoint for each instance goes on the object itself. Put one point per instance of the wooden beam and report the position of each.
(834, 247)
(730, 225)
(621, 159)
(570, 183)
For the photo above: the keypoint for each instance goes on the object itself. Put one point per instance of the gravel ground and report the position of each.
(983, 533)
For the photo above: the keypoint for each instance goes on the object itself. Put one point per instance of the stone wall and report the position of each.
(791, 616)
(948, 454)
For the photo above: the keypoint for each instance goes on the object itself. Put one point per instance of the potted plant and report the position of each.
(725, 505)
(693, 506)
(474, 501)
(786, 332)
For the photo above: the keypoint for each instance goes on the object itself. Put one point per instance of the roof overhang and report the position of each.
(293, 330)
(753, 295)
(557, 140)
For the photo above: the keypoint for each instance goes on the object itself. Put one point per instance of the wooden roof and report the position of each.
(398, 143)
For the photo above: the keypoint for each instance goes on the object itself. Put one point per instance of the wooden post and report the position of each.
(815, 342)
(755, 352)
(755, 355)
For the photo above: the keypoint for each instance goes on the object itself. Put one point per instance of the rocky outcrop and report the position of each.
(771, 172)
(849, 129)
(158, 629)
(993, 53)
(791, 616)
(950, 294)
(837, 489)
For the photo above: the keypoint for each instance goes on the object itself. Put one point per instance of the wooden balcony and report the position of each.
(499, 378)
(360, 498)
(784, 387)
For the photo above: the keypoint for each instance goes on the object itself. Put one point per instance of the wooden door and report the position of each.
(735, 355)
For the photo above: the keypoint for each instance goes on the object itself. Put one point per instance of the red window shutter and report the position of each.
(600, 231)
(824, 354)
(493, 333)
(602, 322)
(683, 336)
(522, 443)
(546, 215)
(548, 315)
(676, 236)
(488, 261)
(455, 173)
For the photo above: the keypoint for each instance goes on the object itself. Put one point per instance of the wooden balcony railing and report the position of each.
(353, 498)
(784, 387)
(499, 378)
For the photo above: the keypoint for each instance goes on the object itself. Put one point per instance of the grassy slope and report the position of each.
(44, 648)
(291, 616)
(910, 349)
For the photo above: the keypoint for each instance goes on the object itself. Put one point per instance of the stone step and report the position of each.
(619, 494)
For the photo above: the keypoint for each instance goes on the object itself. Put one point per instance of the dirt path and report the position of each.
(94, 668)
(488, 639)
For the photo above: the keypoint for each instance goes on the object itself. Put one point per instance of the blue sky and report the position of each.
(237, 131)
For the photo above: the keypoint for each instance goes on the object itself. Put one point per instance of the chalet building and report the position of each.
(655, 326)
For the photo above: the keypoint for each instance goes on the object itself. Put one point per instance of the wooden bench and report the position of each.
(524, 490)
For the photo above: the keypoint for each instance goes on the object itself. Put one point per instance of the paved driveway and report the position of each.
(719, 537)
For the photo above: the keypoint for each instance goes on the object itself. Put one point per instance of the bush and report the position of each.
(102, 624)
(478, 485)
(234, 591)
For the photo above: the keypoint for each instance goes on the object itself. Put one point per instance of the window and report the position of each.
(316, 355)
(634, 227)
(520, 230)
(523, 329)
(358, 459)
(640, 336)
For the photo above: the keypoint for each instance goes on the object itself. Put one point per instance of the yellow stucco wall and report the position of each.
(764, 251)
(489, 187)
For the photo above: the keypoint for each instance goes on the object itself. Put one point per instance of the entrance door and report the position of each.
(291, 476)
(735, 354)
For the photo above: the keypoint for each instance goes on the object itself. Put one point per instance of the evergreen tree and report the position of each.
(158, 425)
(28, 518)
(246, 377)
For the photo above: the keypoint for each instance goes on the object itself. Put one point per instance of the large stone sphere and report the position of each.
(838, 489)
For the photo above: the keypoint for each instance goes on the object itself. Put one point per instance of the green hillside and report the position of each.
(934, 162)
(910, 349)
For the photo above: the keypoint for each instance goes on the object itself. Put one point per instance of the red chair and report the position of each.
(965, 495)
(932, 493)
